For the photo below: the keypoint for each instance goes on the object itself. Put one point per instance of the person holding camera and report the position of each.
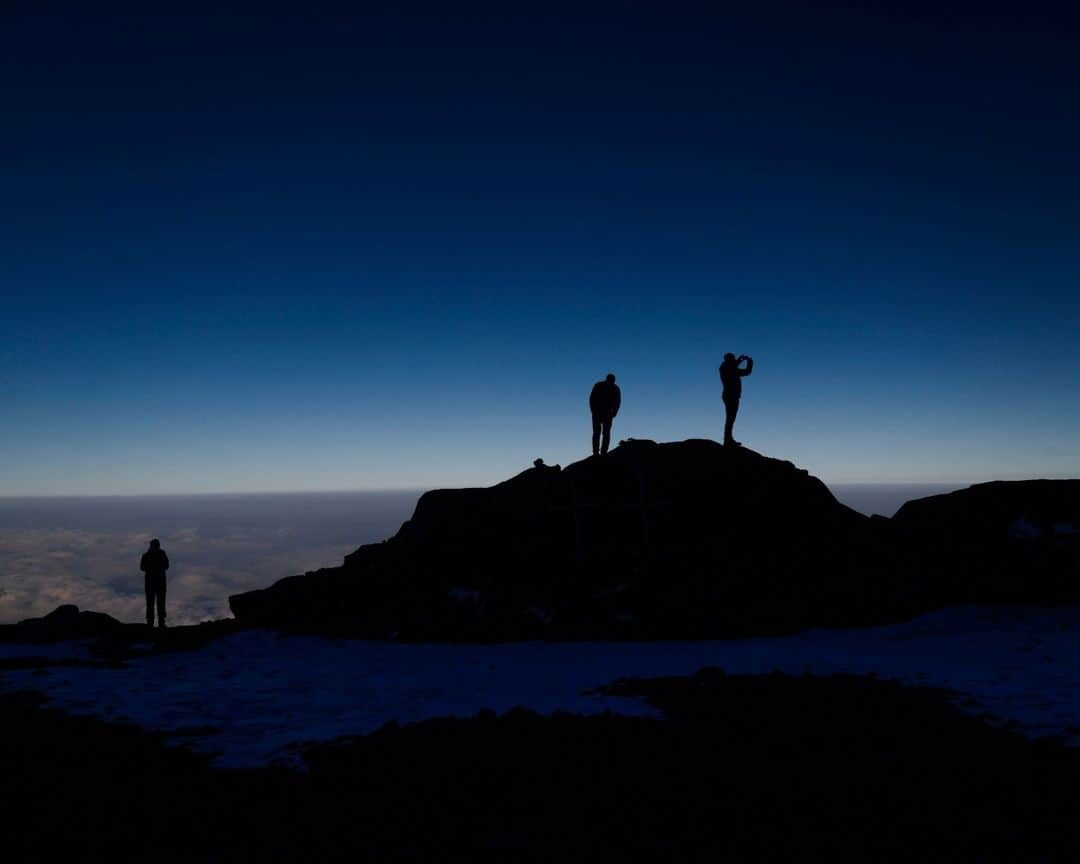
(731, 376)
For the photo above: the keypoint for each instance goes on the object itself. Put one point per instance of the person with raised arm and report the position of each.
(731, 376)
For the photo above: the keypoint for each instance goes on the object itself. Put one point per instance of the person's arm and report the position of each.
(165, 560)
(749, 366)
(616, 403)
(142, 562)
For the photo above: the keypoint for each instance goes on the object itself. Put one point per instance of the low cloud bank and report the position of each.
(86, 551)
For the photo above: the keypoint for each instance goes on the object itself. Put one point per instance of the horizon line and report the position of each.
(390, 490)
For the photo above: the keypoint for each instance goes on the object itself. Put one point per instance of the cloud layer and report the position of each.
(86, 551)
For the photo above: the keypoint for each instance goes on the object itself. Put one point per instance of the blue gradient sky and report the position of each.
(299, 252)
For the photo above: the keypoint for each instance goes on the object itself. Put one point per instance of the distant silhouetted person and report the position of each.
(731, 376)
(604, 402)
(154, 563)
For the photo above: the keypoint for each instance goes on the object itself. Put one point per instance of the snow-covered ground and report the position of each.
(254, 696)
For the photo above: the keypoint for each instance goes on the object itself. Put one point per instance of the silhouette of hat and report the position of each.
(729, 356)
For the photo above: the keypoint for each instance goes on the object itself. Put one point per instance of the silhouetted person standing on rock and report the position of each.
(604, 401)
(154, 563)
(731, 376)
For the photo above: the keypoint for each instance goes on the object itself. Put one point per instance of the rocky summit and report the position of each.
(677, 540)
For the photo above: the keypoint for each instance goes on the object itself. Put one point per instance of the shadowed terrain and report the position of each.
(682, 540)
(739, 768)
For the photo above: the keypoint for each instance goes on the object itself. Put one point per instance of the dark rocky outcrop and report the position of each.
(996, 542)
(679, 540)
(110, 639)
(64, 623)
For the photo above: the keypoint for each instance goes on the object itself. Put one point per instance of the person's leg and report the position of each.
(148, 584)
(595, 435)
(161, 601)
(731, 408)
(607, 436)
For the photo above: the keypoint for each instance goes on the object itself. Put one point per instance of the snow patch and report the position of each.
(253, 697)
(463, 594)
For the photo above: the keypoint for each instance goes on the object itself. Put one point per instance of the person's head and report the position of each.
(610, 378)
(155, 543)
(729, 357)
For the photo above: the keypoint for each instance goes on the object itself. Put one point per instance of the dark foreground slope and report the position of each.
(765, 768)
(681, 540)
